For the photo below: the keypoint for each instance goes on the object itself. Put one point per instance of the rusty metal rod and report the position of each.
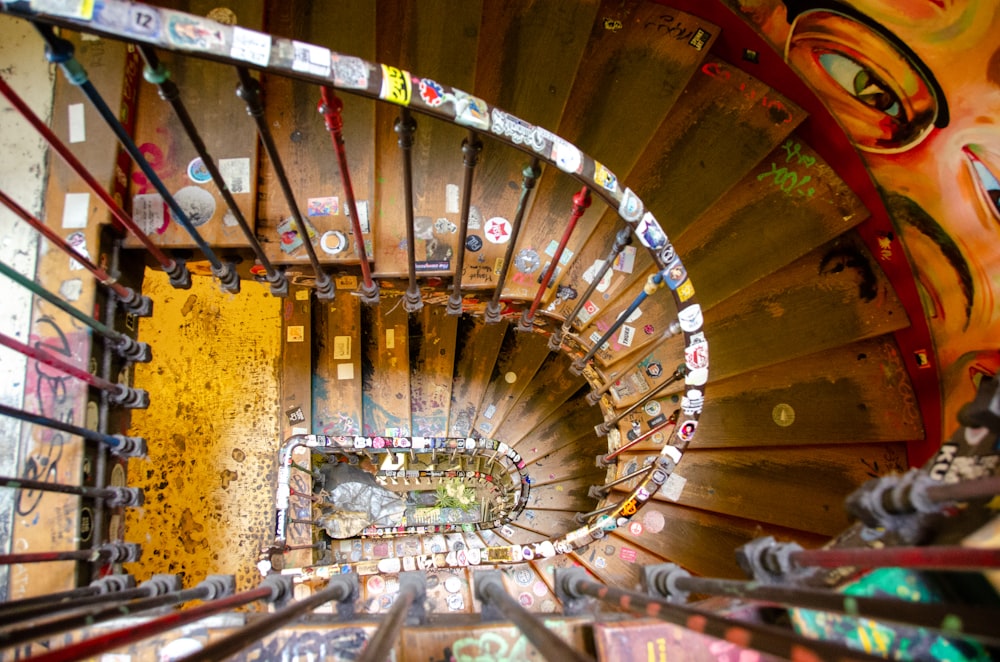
(529, 177)
(405, 127)
(110, 553)
(471, 148)
(967, 559)
(119, 444)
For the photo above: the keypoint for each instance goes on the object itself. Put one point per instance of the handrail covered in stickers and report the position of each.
(203, 38)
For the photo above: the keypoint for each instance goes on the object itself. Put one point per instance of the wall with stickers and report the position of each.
(916, 86)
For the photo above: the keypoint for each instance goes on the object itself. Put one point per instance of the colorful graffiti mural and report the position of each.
(916, 86)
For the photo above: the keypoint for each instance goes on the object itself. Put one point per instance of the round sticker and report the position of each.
(653, 520)
(783, 414)
(198, 172)
(196, 203)
(526, 600)
(540, 589)
(333, 242)
(376, 584)
(527, 261)
(522, 576)
(497, 230)
(453, 584)
(223, 15)
(652, 408)
(635, 528)
(474, 243)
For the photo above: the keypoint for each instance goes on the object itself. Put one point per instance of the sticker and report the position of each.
(523, 576)
(251, 46)
(197, 171)
(295, 414)
(296, 334)
(432, 93)
(349, 72)
(77, 127)
(690, 318)
(697, 377)
(490, 411)
(82, 9)
(654, 369)
(444, 226)
(700, 39)
(783, 414)
(564, 257)
(693, 402)
(76, 209)
(604, 177)
(310, 59)
(78, 242)
(653, 520)
(600, 562)
(588, 311)
(333, 242)
(453, 584)
(520, 132)
(345, 282)
(527, 261)
(190, 32)
(345, 371)
(143, 20)
(223, 15)
(475, 220)
(497, 231)
(592, 271)
(236, 174)
(451, 198)
(390, 338)
(567, 157)
(375, 584)
(526, 600)
(635, 528)
(197, 204)
(474, 243)
(341, 347)
(696, 355)
(685, 431)
(652, 408)
(673, 487)
(471, 111)
(396, 85)
(540, 589)
(633, 316)
(685, 290)
(71, 290)
(631, 207)
(455, 602)
(289, 234)
(626, 335)
(628, 555)
(328, 206)
(659, 419)
(650, 233)
(625, 261)
(675, 274)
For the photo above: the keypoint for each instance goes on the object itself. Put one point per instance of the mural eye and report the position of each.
(883, 95)
(985, 180)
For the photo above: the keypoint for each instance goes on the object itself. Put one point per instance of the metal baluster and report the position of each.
(408, 607)
(332, 108)
(573, 586)
(471, 148)
(595, 396)
(115, 552)
(119, 394)
(59, 51)
(529, 177)
(601, 491)
(653, 283)
(138, 304)
(603, 428)
(156, 73)
(673, 583)
(583, 518)
(498, 605)
(127, 497)
(10, 611)
(274, 588)
(609, 459)
(177, 271)
(250, 91)
(119, 444)
(581, 201)
(405, 126)
(622, 239)
(123, 345)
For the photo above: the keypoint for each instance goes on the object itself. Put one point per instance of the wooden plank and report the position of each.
(549, 390)
(737, 241)
(526, 583)
(549, 523)
(568, 494)
(438, 39)
(386, 368)
(568, 461)
(563, 426)
(485, 642)
(720, 129)
(207, 90)
(636, 640)
(798, 488)
(337, 361)
(659, 66)
(476, 347)
(432, 364)
(304, 143)
(703, 542)
(520, 356)
(617, 562)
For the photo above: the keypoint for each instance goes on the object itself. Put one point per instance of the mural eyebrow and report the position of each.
(904, 209)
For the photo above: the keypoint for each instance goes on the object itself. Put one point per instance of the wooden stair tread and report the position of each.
(564, 426)
(432, 346)
(519, 358)
(337, 375)
(549, 390)
(476, 350)
(386, 368)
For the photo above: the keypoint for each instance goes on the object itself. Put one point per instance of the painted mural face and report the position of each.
(916, 85)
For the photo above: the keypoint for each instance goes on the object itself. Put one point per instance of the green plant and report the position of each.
(453, 494)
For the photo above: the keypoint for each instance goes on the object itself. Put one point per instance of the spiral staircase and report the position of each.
(815, 330)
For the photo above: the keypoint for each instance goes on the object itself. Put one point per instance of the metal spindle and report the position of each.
(340, 589)
(595, 396)
(603, 428)
(653, 283)
(498, 605)
(272, 589)
(581, 201)
(125, 346)
(573, 584)
(673, 583)
(119, 444)
(155, 586)
(408, 606)
(332, 108)
(967, 559)
(178, 272)
(139, 304)
(156, 73)
(622, 239)
(471, 148)
(127, 497)
(115, 552)
(405, 127)
(529, 177)
(608, 459)
(600, 492)
(249, 90)
(60, 51)
(119, 394)
(583, 518)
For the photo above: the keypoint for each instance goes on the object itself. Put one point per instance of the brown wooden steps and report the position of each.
(432, 363)
(517, 362)
(386, 368)
(476, 349)
(551, 388)
(337, 366)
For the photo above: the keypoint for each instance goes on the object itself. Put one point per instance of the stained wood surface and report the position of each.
(337, 377)
(617, 562)
(207, 90)
(550, 523)
(563, 426)
(570, 460)
(519, 358)
(386, 368)
(304, 143)
(488, 641)
(568, 494)
(476, 347)
(549, 390)
(432, 347)
(438, 41)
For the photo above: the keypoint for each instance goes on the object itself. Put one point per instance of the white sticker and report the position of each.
(149, 213)
(77, 127)
(75, 210)
(342, 348)
(673, 486)
(636, 314)
(362, 206)
(690, 318)
(626, 335)
(345, 371)
(251, 46)
(300, 431)
(625, 261)
(71, 289)
(451, 198)
(390, 338)
(592, 271)
(78, 242)
(236, 174)
(311, 59)
(566, 256)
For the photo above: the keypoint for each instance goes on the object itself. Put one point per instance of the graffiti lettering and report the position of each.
(670, 26)
(776, 109)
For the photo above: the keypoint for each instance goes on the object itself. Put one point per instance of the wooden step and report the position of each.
(519, 358)
(337, 376)
(304, 143)
(615, 561)
(386, 368)
(207, 90)
(432, 363)
(568, 425)
(569, 461)
(570, 493)
(476, 348)
(550, 389)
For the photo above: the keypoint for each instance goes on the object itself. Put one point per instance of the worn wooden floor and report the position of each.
(212, 431)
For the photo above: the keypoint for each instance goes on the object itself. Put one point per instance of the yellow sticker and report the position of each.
(685, 290)
(302, 295)
(296, 334)
(497, 266)
(342, 348)
(396, 85)
(390, 338)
